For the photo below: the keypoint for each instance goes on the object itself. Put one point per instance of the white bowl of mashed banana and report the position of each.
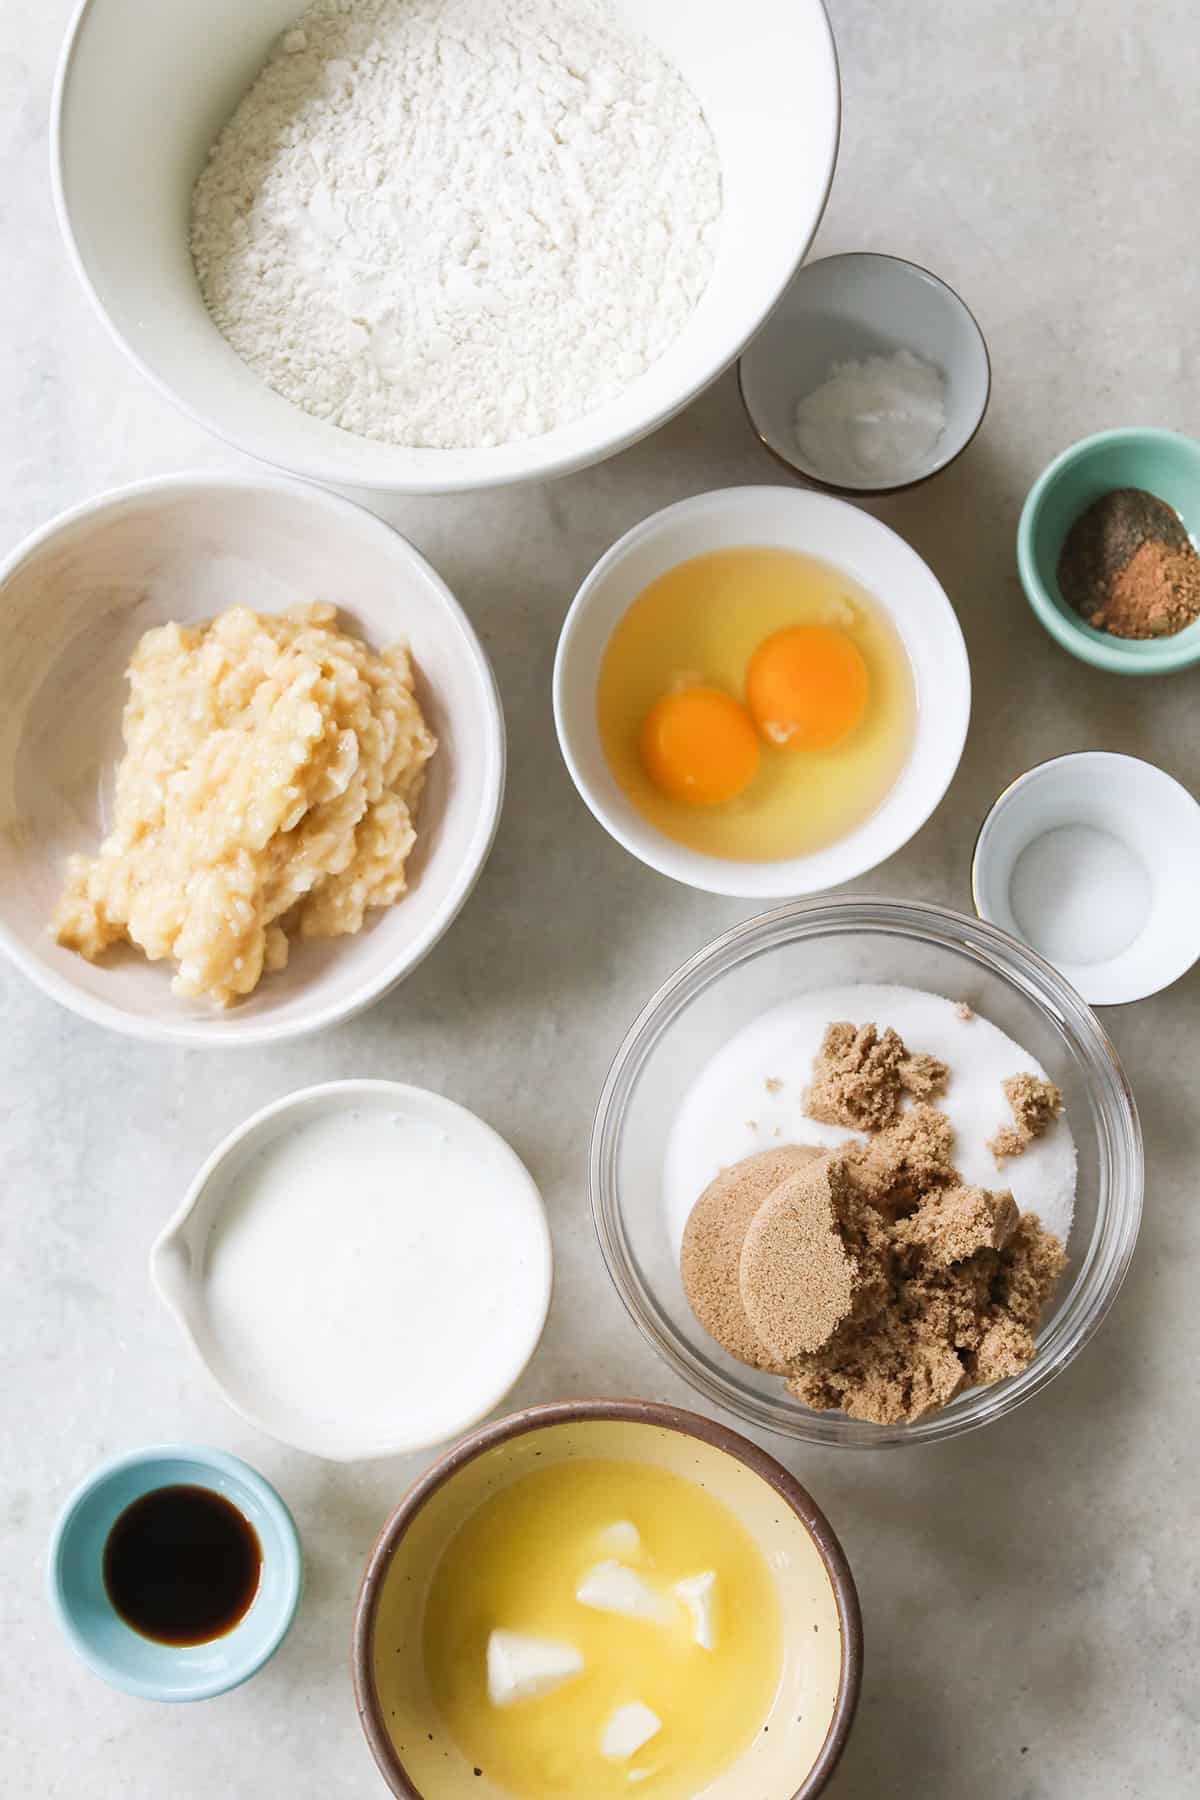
(251, 759)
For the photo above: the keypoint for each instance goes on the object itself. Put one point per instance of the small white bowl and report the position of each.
(842, 309)
(145, 86)
(1094, 860)
(75, 599)
(357, 1425)
(792, 519)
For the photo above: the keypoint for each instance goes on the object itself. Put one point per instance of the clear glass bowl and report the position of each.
(813, 944)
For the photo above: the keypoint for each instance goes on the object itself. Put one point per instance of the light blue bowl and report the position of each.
(101, 1637)
(1162, 462)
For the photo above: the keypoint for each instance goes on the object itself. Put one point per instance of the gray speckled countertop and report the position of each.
(1031, 1592)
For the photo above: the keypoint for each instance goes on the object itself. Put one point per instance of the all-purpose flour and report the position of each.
(456, 223)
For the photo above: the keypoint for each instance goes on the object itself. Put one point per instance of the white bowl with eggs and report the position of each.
(75, 599)
(858, 546)
(131, 130)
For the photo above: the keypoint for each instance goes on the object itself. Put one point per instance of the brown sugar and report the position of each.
(1035, 1106)
(886, 1371)
(710, 1256)
(800, 1276)
(896, 1167)
(955, 1286)
(1029, 1274)
(951, 1224)
(872, 1277)
(860, 1077)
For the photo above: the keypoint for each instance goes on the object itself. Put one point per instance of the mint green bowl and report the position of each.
(1164, 463)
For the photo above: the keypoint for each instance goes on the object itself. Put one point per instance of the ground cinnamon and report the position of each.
(1128, 567)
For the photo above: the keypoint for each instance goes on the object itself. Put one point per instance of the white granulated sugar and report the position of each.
(874, 422)
(457, 223)
(710, 1130)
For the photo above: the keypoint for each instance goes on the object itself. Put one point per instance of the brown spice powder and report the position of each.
(1155, 595)
(1128, 567)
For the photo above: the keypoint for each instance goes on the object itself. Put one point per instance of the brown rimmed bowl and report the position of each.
(804, 1734)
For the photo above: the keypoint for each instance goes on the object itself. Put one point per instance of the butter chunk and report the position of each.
(698, 1593)
(621, 1538)
(610, 1587)
(521, 1667)
(628, 1728)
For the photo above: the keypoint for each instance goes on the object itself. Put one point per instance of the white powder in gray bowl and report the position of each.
(874, 423)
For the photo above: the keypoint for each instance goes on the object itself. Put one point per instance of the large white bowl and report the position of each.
(74, 600)
(144, 87)
(838, 533)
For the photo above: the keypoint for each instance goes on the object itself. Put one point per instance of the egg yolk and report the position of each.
(807, 687)
(698, 745)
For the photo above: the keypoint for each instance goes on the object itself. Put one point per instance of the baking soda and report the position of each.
(874, 423)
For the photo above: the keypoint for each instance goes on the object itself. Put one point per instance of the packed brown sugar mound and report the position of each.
(861, 1076)
(805, 1268)
(943, 1290)
(710, 1258)
(872, 1277)
(1035, 1106)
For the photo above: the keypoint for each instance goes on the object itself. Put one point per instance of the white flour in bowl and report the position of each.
(457, 223)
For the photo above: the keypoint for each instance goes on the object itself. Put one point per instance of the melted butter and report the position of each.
(516, 1565)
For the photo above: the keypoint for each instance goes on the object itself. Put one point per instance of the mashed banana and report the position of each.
(271, 774)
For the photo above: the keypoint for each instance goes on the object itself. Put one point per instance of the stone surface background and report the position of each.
(1030, 1593)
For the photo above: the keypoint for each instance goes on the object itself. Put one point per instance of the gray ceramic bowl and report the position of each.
(842, 309)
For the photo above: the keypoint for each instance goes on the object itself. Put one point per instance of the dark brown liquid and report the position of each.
(181, 1565)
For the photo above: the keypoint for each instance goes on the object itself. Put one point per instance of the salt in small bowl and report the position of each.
(1094, 860)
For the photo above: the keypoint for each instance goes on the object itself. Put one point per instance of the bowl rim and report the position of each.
(839, 489)
(227, 1031)
(1017, 964)
(538, 468)
(1004, 799)
(764, 881)
(205, 1458)
(1117, 656)
(345, 1090)
(656, 1414)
